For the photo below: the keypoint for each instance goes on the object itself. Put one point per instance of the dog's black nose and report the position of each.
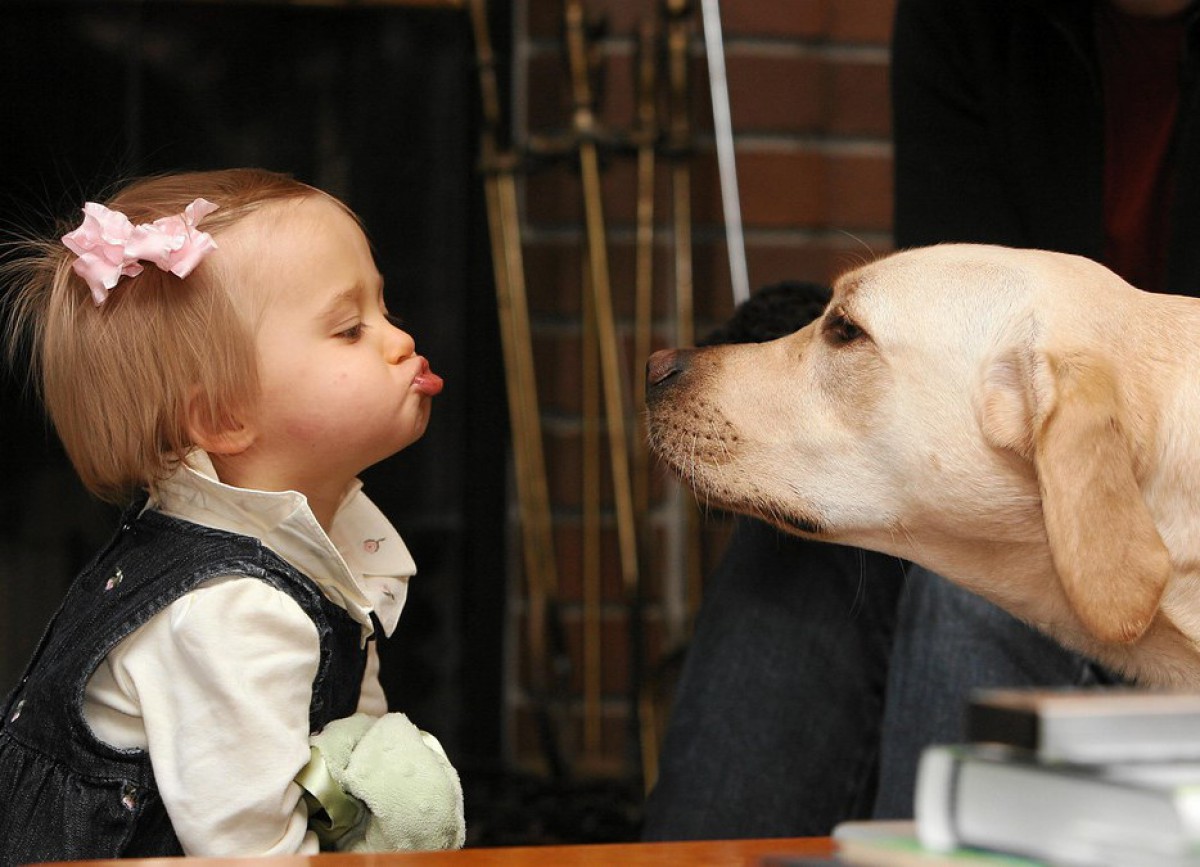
(666, 363)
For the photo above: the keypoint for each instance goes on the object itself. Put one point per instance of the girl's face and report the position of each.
(342, 387)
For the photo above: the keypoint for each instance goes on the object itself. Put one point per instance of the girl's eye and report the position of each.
(353, 332)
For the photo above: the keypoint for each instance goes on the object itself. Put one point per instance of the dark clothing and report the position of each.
(817, 673)
(67, 795)
(1140, 60)
(998, 122)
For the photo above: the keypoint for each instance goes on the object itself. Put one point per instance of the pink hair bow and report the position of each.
(110, 247)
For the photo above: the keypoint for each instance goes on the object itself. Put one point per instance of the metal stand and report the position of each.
(604, 374)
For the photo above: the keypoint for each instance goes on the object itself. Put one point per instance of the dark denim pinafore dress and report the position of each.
(64, 794)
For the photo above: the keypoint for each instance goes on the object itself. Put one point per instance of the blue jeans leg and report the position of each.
(949, 642)
(775, 727)
(816, 676)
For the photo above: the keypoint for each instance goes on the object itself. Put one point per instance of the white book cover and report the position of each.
(1126, 814)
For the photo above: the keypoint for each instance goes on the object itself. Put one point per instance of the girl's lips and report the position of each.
(426, 381)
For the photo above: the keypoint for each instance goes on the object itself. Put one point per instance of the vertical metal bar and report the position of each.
(681, 175)
(591, 547)
(735, 241)
(597, 256)
(646, 136)
(680, 611)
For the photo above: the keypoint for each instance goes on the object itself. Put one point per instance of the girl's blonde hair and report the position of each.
(119, 380)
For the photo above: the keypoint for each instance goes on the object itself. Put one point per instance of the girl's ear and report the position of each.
(217, 431)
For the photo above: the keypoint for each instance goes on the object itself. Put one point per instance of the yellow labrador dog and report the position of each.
(1023, 422)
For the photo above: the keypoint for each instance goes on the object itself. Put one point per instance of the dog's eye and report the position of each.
(840, 328)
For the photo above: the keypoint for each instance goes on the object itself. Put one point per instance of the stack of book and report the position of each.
(1073, 777)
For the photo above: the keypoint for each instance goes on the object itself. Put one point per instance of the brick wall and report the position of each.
(808, 92)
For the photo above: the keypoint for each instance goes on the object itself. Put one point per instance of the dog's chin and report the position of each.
(713, 493)
(801, 525)
(793, 522)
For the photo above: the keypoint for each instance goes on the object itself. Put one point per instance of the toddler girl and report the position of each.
(214, 348)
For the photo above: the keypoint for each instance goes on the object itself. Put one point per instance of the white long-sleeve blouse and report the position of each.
(217, 685)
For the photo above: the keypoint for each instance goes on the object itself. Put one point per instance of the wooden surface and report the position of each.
(706, 853)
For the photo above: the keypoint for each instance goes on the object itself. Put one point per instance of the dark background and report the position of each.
(378, 106)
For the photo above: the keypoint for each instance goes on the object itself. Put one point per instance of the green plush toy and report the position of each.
(380, 784)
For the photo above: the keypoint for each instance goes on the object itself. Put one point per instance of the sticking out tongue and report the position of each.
(427, 382)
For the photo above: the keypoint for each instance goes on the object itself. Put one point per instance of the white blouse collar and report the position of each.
(362, 564)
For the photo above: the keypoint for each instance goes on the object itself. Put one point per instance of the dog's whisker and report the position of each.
(860, 589)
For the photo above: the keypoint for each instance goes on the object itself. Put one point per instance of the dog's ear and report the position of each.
(1006, 409)
(1108, 554)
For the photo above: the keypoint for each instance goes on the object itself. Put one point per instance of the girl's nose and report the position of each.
(400, 344)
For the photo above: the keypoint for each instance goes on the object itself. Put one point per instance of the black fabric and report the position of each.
(772, 311)
(998, 128)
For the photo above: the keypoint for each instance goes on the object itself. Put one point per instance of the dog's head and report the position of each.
(975, 409)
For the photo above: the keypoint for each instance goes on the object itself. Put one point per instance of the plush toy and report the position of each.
(378, 784)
